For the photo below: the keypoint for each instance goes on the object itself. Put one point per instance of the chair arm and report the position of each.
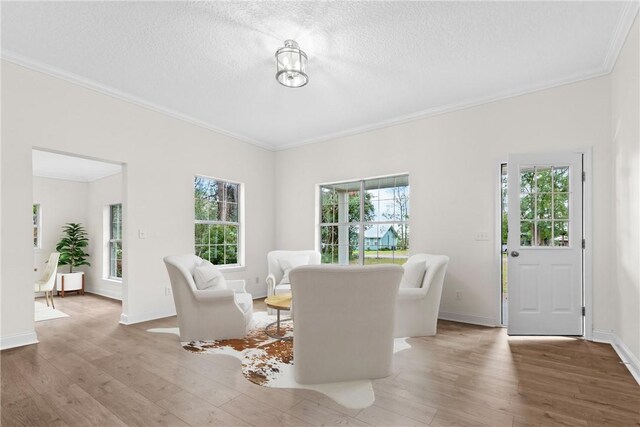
(411, 293)
(237, 285)
(213, 295)
(271, 284)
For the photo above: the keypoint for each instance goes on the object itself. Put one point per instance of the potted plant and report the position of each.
(72, 253)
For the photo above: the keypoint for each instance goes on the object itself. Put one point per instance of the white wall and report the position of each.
(60, 202)
(101, 193)
(453, 164)
(161, 154)
(625, 91)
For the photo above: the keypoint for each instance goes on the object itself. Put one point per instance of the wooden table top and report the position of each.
(279, 302)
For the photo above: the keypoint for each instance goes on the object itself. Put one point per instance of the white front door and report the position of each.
(545, 244)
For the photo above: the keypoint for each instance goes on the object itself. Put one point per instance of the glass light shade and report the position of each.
(291, 65)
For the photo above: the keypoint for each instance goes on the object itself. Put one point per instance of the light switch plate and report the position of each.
(482, 236)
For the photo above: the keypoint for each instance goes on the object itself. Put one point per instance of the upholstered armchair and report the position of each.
(343, 321)
(48, 280)
(207, 314)
(281, 262)
(418, 300)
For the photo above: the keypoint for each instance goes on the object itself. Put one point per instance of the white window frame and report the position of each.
(361, 223)
(111, 241)
(239, 265)
(38, 226)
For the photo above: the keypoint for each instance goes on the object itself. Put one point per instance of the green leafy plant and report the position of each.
(72, 246)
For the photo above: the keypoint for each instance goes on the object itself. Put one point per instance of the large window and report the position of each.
(365, 221)
(115, 241)
(36, 227)
(217, 220)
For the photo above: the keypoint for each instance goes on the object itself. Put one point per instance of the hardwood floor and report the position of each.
(88, 370)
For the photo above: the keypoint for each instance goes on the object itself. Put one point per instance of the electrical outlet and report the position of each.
(458, 295)
(482, 236)
(167, 291)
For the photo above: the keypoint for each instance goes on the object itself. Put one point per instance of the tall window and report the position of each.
(37, 243)
(365, 221)
(115, 241)
(217, 220)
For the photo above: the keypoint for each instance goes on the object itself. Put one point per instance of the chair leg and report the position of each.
(51, 296)
(46, 298)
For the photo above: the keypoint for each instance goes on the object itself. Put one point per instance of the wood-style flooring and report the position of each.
(88, 370)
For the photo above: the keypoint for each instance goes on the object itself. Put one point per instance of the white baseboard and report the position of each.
(145, 317)
(18, 340)
(468, 318)
(628, 358)
(105, 292)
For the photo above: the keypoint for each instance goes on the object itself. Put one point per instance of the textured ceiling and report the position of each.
(371, 64)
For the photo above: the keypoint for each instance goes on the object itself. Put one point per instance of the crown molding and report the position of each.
(620, 33)
(436, 111)
(50, 70)
(74, 178)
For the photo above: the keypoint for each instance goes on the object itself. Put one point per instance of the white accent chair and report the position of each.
(207, 314)
(48, 280)
(343, 321)
(417, 307)
(276, 259)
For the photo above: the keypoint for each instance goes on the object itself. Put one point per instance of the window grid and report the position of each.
(115, 241)
(217, 224)
(346, 209)
(37, 240)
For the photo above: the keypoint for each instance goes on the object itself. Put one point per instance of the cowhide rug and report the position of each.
(269, 362)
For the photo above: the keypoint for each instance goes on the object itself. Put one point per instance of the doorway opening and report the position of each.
(504, 232)
(78, 221)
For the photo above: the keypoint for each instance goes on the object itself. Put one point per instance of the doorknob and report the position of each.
(515, 254)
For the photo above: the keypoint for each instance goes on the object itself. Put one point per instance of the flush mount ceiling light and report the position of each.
(291, 65)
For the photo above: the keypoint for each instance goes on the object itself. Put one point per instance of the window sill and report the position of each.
(110, 279)
(232, 269)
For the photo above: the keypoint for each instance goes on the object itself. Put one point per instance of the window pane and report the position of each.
(543, 229)
(561, 233)
(232, 212)
(203, 251)
(543, 179)
(231, 193)
(231, 254)
(561, 179)
(526, 179)
(402, 203)
(202, 234)
(216, 234)
(561, 205)
(526, 233)
(329, 234)
(527, 206)
(543, 205)
(231, 234)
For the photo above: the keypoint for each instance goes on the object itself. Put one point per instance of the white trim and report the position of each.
(144, 317)
(50, 70)
(18, 340)
(497, 247)
(623, 26)
(469, 318)
(611, 55)
(626, 356)
(587, 225)
(74, 178)
(106, 291)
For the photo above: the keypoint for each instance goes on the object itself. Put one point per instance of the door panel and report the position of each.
(545, 244)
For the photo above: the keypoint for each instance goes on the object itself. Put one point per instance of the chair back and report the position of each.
(274, 257)
(436, 267)
(344, 321)
(48, 278)
(180, 269)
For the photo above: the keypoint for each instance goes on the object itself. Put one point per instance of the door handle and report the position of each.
(515, 254)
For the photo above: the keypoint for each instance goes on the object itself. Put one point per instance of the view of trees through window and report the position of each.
(36, 226)
(365, 222)
(115, 241)
(217, 220)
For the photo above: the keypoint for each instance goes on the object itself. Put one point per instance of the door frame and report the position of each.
(587, 224)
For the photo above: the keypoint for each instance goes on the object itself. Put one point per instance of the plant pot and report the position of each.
(70, 282)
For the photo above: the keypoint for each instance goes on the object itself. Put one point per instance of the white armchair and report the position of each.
(282, 261)
(417, 306)
(343, 322)
(48, 280)
(207, 314)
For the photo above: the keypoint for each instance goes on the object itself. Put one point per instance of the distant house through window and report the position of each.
(217, 221)
(37, 239)
(365, 221)
(115, 241)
